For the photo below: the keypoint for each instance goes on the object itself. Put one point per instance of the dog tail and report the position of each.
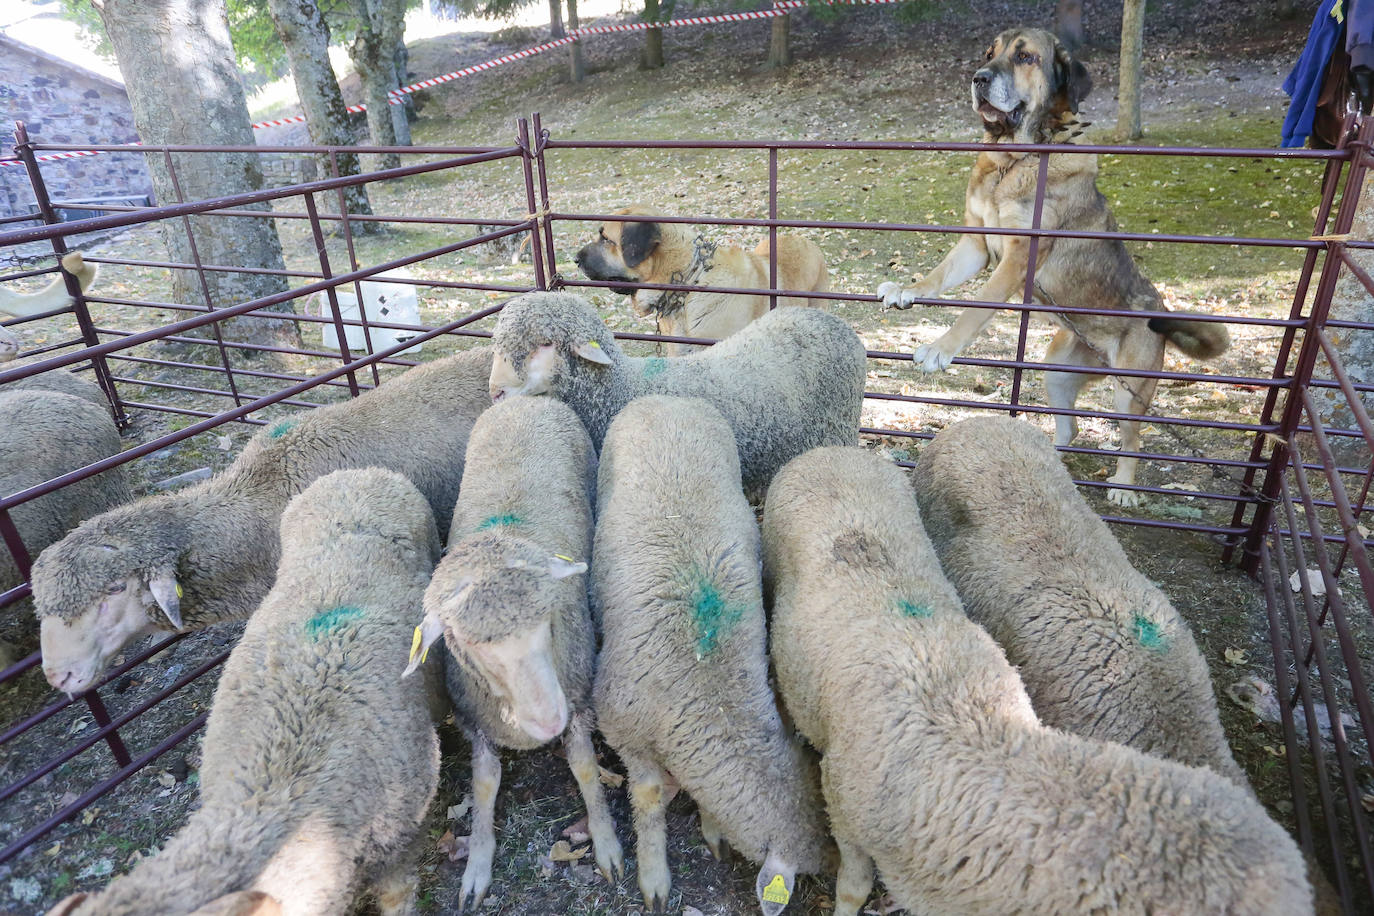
(1198, 339)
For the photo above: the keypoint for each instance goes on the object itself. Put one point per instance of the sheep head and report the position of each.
(494, 597)
(543, 340)
(9, 345)
(108, 582)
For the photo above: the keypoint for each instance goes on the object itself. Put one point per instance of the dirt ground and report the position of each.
(1211, 74)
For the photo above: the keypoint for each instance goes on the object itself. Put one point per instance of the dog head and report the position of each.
(622, 250)
(1028, 82)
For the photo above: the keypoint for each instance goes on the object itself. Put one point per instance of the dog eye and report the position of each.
(116, 588)
(988, 54)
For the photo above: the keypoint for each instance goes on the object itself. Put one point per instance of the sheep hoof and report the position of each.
(655, 904)
(476, 885)
(720, 849)
(611, 863)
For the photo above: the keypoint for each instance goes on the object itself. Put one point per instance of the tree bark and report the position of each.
(1351, 302)
(178, 66)
(305, 36)
(779, 43)
(577, 66)
(651, 55)
(373, 51)
(1128, 86)
(1068, 24)
(556, 29)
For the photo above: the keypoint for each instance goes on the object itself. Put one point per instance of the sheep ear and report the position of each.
(591, 351)
(426, 634)
(167, 593)
(561, 567)
(68, 904)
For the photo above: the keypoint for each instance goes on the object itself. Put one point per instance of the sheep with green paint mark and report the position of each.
(682, 679)
(934, 765)
(510, 600)
(790, 381)
(206, 554)
(1101, 650)
(320, 762)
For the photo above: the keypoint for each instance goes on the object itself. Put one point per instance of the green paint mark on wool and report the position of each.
(500, 521)
(712, 614)
(282, 427)
(1149, 634)
(654, 366)
(328, 622)
(912, 609)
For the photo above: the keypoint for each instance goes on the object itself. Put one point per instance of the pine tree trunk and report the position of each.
(305, 36)
(1068, 23)
(556, 29)
(178, 65)
(380, 26)
(651, 55)
(779, 43)
(401, 115)
(577, 67)
(1128, 86)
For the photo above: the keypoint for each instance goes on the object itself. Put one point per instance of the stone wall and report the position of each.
(62, 103)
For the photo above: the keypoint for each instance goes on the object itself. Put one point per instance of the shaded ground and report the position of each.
(865, 76)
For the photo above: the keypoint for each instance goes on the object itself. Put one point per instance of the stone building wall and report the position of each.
(63, 103)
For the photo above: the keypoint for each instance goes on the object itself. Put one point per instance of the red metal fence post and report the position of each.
(331, 292)
(527, 157)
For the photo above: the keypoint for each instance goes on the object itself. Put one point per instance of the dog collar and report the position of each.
(703, 255)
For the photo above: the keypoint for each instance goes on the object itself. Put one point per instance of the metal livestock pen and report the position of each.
(1294, 495)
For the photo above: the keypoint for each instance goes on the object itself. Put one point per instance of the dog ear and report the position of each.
(637, 242)
(1071, 79)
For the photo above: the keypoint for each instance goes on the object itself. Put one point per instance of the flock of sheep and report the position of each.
(979, 699)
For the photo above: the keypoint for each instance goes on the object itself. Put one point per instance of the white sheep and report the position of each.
(49, 298)
(320, 762)
(934, 766)
(206, 554)
(792, 380)
(511, 602)
(1101, 650)
(682, 680)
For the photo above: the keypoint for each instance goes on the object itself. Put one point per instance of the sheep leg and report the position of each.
(486, 780)
(854, 881)
(711, 833)
(582, 759)
(651, 836)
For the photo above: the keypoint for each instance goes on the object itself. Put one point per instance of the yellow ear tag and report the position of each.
(776, 891)
(179, 592)
(564, 559)
(592, 343)
(415, 647)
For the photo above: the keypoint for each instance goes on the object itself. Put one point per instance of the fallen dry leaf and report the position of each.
(611, 779)
(1367, 802)
(1235, 657)
(166, 780)
(458, 810)
(563, 852)
(1314, 577)
(455, 847)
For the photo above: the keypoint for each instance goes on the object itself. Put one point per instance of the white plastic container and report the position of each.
(392, 303)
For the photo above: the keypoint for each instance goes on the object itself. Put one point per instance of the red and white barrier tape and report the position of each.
(397, 96)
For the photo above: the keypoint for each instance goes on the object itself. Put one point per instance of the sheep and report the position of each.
(509, 599)
(56, 380)
(934, 766)
(682, 680)
(791, 380)
(199, 556)
(319, 761)
(1101, 650)
(43, 435)
(49, 298)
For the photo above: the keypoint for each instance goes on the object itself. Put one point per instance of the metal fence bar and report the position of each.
(347, 224)
(332, 292)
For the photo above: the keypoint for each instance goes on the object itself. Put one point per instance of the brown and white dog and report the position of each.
(647, 251)
(1028, 91)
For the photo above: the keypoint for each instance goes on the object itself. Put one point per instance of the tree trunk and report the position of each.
(1068, 24)
(305, 36)
(373, 51)
(402, 115)
(779, 43)
(577, 66)
(1128, 85)
(556, 29)
(178, 66)
(1351, 302)
(651, 55)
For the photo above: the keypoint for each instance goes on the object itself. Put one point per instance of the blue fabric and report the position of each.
(1304, 84)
